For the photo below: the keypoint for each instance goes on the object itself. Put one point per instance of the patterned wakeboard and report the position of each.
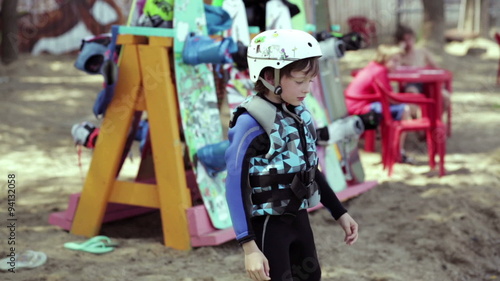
(198, 108)
(328, 159)
(277, 15)
(335, 103)
(239, 85)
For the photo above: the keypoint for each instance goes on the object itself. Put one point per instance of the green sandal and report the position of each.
(95, 245)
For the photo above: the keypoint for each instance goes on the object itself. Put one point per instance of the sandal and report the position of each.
(95, 245)
(28, 259)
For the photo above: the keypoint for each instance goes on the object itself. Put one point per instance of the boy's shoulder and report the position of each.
(257, 109)
(244, 120)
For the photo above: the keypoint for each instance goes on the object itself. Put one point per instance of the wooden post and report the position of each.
(165, 141)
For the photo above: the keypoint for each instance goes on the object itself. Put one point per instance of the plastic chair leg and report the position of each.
(395, 152)
(369, 136)
(448, 121)
(442, 152)
(431, 149)
(386, 148)
(441, 147)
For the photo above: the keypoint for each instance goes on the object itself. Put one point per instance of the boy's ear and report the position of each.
(269, 76)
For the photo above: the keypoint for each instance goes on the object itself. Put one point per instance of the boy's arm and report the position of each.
(429, 60)
(328, 198)
(382, 77)
(339, 213)
(243, 138)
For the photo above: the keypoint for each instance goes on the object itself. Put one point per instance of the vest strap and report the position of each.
(274, 179)
(275, 195)
(300, 191)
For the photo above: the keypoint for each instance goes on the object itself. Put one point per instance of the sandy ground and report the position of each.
(413, 226)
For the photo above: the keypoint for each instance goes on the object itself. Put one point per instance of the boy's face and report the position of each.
(408, 42)
(296, 87)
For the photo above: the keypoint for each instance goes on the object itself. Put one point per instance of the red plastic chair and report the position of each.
(392, 129)
(364, 26)
(497, 37)
(369, 136)
(448, 86)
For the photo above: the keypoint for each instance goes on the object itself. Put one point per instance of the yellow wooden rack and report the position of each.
(145, 83)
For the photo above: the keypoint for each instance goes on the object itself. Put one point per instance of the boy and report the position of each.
(272, 162)
(419, 57)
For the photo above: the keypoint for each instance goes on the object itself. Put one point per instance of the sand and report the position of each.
(413, 225)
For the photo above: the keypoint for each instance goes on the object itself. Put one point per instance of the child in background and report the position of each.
(387, 59)
(417, 57)
(272, 164)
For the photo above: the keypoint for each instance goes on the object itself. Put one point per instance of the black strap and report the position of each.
(302, 187)
(271, 180)
(274, 178)
(301, 191)
(274, 195)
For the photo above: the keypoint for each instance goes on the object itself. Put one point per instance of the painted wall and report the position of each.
(58, 26)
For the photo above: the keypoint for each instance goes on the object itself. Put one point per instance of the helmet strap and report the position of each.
(275, 89)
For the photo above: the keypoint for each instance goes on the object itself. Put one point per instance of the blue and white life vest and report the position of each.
(292, 152)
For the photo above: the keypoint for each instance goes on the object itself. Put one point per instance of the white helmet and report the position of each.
(278, 48)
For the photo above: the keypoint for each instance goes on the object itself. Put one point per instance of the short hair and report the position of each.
(386, 52)
(401, 31)
(309, 65)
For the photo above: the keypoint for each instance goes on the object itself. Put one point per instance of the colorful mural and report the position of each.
(57, 26)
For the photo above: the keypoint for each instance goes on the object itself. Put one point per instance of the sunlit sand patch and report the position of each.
(435, 192)
(39, 228)
(62, 79)
(53, 94)
(461, 48)
(339, 273)
(441, 218)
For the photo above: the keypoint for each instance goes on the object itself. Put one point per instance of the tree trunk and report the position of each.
(9, 31)
(484, 26)
(433, 25)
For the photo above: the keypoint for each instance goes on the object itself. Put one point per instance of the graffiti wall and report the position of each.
(57, 26)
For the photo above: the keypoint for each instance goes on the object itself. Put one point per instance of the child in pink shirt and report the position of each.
(387, 59)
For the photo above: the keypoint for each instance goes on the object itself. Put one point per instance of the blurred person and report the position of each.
(418, 57)
(387, 59)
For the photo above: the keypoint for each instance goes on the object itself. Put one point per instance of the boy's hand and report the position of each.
(350, 228)
(256, 263)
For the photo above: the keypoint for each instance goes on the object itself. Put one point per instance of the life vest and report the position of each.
(282, 180)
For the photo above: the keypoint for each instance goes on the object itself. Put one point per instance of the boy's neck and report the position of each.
(276, 99)
(277, 104)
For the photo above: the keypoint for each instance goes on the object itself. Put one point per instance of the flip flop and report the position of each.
(28, 259)
(95, 245)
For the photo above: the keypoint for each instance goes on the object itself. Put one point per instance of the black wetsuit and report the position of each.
(287, 244)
